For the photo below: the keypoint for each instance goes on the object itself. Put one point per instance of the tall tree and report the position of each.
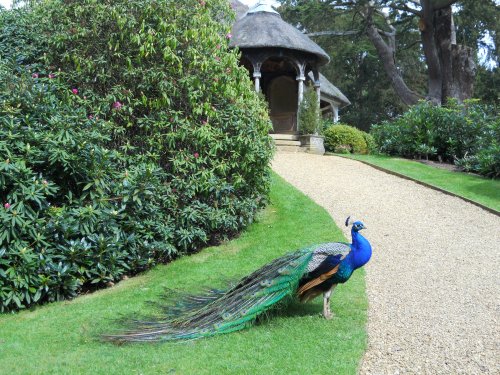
(450, 66)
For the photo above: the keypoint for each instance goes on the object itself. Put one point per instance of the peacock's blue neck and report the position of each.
(361, 249)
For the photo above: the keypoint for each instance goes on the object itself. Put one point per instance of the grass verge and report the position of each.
(476, 188)
(62, 338)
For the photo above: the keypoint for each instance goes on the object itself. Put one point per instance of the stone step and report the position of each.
(288, 148)
(287, 137)
(281, 142)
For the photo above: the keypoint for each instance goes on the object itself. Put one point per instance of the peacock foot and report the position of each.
(328, 315)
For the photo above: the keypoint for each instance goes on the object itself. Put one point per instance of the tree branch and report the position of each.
(386, 52)
(334, 33)
(406, 8)
(412, 44)
(440, 4)
(389, 34)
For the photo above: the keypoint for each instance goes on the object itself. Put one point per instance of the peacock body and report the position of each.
(305, 274)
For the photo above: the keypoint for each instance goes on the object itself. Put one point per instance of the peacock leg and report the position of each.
(327, 313)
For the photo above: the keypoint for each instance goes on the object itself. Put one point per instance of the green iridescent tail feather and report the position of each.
(217, 311)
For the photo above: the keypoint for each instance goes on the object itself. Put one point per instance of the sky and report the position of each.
(5, 3)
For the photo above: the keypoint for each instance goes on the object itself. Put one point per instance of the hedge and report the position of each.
(129, 135)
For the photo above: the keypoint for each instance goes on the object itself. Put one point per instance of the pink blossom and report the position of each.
(52, 75)
(202, 3)
(91, 117)
(204, 122)
(74, 91)
(7, 206)
(196, 155)
(44, 182)
(218, 46)
(34, 75)
(229, 35)
(117, 105)
(217, 58)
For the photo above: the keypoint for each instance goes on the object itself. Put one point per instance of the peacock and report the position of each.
(304, 274)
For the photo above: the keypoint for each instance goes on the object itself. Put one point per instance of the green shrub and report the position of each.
(371, 144)
(20, 41)
(465, 133)
(74, 212)
(486, 160)
(134, 138)
(345, 136)
(343, 149)
(309, 119)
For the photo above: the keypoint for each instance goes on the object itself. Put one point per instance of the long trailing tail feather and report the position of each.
(218, 311)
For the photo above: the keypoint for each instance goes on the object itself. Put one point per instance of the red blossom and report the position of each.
(196, 155)
(74, 91)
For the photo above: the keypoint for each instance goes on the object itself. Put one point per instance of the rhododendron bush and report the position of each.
(128, 135)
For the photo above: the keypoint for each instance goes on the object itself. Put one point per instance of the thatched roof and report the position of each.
(262, 27)
(330, 90)
(239, 8)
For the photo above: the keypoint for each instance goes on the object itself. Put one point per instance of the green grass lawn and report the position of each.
(62, 338)
(482, 190)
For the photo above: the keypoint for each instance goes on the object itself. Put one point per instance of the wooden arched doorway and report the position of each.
(282, 95)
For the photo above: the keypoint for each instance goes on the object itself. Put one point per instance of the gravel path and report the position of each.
(433, 281)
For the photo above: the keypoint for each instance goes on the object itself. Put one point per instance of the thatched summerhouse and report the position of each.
(281, 60)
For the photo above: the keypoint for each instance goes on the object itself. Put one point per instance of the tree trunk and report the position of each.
(464, 72)
(431, 52)
(451, 67)
(442, 37)
(386, 52)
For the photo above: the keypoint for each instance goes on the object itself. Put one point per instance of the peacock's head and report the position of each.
(356, 225)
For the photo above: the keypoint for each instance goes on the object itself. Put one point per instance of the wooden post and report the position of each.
(256, 77)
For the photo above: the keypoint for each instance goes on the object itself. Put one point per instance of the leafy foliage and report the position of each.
(133, 138)
(20, 42)
(309, 119)
(342, 138)
(468, 134)
(356, 68)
